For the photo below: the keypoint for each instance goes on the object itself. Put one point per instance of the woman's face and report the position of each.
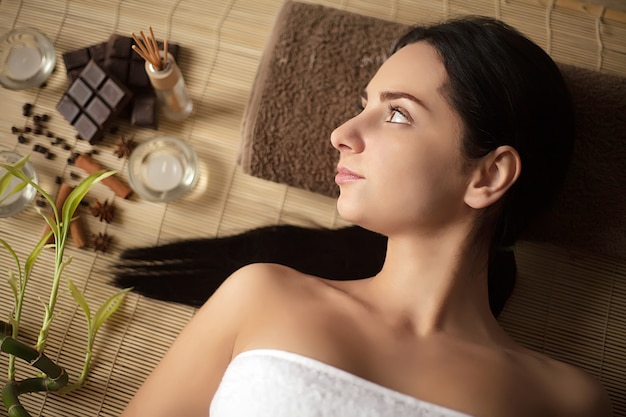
(400, 164)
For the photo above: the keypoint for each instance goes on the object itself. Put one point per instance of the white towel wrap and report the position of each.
(276, 383)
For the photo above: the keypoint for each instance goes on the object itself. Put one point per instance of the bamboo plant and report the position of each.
(50, 375)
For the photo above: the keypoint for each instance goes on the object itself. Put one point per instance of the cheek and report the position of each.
(414, 171)
(427, 182)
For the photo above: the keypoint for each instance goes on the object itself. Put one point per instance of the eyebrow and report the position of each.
(394, 95)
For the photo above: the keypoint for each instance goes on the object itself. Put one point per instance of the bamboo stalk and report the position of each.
(55, 379)
(35, 358)
(6, 329)
(13, 389)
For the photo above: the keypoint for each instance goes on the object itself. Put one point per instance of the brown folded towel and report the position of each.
(314, 67)
(590, 212)
(316, 63)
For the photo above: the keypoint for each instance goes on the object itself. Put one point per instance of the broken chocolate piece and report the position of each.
(145, 111)
(92, 101)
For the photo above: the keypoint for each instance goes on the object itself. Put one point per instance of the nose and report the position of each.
(348, 137)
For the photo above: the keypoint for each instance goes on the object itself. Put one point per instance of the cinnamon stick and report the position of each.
(88, 164)
(77, 231)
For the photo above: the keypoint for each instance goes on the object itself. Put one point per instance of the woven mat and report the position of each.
(569, 305)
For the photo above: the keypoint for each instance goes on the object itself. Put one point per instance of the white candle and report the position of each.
(23, 62)
(163, 172)
(13, 197)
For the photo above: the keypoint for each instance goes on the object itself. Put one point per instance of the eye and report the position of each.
(360, 106)
(397, 116)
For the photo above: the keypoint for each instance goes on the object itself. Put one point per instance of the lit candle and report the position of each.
(23, 62)
(163, 172)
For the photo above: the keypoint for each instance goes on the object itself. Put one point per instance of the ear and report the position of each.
(492, 176)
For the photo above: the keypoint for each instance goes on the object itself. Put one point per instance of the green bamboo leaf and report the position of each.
(5, 180)
(80, 300)
(46, 324)
(13, 255)
(32, 258)
(109, 307)
(14, 170)
(54, 227)
(21, 162)
(19, 187)
(10, 250)
(7, 177)
(47, 197)
(79, 192)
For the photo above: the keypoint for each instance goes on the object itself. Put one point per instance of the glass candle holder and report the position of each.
(162, 169)
(12, 204)
(27, 58)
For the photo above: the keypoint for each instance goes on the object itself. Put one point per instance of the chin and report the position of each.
(353, 214)
(347, 210)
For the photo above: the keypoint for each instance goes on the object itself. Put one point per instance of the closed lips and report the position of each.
(345, 175)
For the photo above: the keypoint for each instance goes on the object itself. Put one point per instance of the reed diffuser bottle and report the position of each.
(169, 86)
(165, 77)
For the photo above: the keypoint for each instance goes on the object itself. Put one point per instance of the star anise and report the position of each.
(124, 147)
(101, 242)
(104, 211)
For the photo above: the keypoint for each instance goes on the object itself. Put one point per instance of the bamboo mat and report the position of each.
(569, 305)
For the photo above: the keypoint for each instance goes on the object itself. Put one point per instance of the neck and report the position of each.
(436, 284)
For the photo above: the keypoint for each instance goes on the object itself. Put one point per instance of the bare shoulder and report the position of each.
(286, 309)
(243, 294)
(259, 289)
(575, 392)
(582, 394)
(261, 280)
(180, 385)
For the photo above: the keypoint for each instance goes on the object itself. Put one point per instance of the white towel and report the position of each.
(275, 383)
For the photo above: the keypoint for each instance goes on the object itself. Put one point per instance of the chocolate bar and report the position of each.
(118, 58)
(93, 100)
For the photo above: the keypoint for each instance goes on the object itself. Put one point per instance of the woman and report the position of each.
(466, 131)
